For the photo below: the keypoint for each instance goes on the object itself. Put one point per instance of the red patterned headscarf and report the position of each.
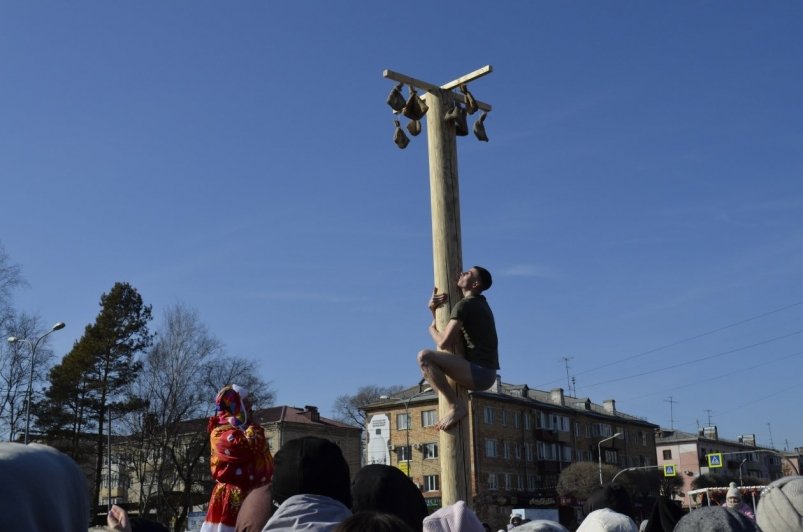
(230, 406)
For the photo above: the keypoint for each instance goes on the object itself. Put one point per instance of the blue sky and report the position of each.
(640, 201)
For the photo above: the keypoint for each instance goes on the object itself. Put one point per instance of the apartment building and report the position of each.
(741, 458)
(141, 471)
(520, 441)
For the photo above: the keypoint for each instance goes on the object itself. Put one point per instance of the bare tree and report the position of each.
(10, 278)
(15, 370)
(579, 479)
(181, 375)
(349, 408)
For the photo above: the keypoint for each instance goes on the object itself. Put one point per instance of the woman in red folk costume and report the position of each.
(240, 458)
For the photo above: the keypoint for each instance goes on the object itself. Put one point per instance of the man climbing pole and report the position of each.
(472, 319)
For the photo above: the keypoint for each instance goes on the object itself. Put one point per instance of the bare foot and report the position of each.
(451, 419)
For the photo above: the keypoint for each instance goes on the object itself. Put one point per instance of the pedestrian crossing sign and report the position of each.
(670, 470)
(714, 460)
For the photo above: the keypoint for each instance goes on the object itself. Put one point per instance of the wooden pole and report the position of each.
(447, 259)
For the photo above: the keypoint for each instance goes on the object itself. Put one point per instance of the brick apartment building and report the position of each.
(520, 441)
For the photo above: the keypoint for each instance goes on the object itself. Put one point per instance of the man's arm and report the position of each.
(445, 340)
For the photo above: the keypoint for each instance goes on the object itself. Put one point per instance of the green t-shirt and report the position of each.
(479, 331)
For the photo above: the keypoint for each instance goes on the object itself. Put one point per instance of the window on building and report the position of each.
(547, 451)
(611, 456)
(528, 421)
(429, 418)
(432, 483)
(667, 454)
(403, 421)
(488, 415)
(539, 420)
(601, 429)
(578, 429)
(492, 482)
(508, 481)
(491, 448)
(506, 450)
(528, 452)
(404, 453)
(517, 419)
(532, 481)
(504, 417)
(517, 450)
(430, 450)
(566, 454)
(520, 482)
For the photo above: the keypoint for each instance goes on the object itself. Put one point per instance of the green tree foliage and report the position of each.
(96, 374)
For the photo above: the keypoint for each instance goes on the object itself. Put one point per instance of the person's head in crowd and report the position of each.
(541, 525)
(733, 498)
(312, 466)
(715, 519)
(374, 522)
(607, 520)
(664, 515)
(42, 489)
(456, 517)
(515, 520)
(384, 488)
(613, 497)
(780, 507)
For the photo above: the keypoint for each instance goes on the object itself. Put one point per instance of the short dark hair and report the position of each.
(485, 277)
(375, 521)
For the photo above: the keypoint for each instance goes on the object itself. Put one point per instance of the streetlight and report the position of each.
(13, 339)
(740, 472)
(407, 420)
(599, 453)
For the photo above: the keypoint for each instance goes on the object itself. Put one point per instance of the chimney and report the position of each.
(610, 406)
(556, 396)
(312, 413)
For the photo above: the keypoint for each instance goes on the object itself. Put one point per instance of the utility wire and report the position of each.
(681, 341)
(753, 401)
(709, 357)
(761, 364)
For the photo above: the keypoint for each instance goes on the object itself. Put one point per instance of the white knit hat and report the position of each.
(606, 520)
(780, 508)
(455, 518)
(733, 491)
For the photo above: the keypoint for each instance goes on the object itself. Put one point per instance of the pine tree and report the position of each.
(95, 376)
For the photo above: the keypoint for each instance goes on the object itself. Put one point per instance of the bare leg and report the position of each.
(436, 366)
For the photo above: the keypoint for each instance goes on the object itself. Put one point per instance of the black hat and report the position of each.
(310, 465)
(384, 488)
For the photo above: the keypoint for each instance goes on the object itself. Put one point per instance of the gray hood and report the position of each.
(308, 512)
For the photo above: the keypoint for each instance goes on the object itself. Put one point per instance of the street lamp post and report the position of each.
(740, 472)
(33, 345)
(407, 420)
(599, 453)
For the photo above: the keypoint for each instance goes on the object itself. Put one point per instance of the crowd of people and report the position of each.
(308, 486)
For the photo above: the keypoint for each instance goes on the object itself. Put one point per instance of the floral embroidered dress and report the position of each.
(240, 458)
